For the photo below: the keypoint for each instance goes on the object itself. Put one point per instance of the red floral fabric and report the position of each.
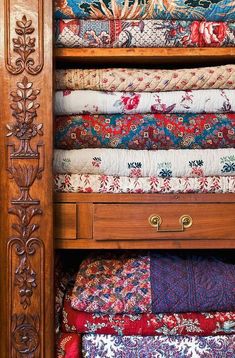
(148, 324)
(69, 346)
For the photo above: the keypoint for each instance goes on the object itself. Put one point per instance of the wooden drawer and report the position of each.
(131, 221)
(65, 222)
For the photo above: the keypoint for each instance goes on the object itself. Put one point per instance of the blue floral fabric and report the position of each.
(210, 10)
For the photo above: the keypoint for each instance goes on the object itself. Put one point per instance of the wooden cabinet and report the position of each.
(145, 220)
(80, 221)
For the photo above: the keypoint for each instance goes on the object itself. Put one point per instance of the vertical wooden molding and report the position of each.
(26, 119)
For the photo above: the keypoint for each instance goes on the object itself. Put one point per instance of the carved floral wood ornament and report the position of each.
(24, 47)
(25, 167)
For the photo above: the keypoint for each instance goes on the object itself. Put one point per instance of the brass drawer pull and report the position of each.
(185, 221)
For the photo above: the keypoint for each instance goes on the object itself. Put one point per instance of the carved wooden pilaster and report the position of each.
(27, 240)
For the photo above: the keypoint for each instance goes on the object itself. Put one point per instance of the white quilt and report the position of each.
(144, 163)
(195, 101)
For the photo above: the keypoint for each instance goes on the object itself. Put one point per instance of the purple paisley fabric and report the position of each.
(184, 283)
(107, 346)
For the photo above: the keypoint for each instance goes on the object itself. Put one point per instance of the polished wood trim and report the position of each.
(145, 244)
(26, 229)
(146, 55)
(142, 198)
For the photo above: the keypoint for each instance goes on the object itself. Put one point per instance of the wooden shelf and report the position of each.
(142, 56)
(143, 198)
(145, 244)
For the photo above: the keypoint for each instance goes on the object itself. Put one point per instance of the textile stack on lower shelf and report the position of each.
(148, 304)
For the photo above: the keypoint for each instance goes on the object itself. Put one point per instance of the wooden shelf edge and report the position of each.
(143, 198)
(74, 53)
(154, 244)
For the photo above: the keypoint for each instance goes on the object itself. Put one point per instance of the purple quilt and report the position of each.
(154, 283)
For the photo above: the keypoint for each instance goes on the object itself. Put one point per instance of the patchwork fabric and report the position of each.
(98, 102)
(148, 131)
(143, 33)
(154, 283)
(144, 163)
(76, 183)
(69, 346)
(107, 346)
(113, 284)
(119, 9)
(148, 324)
(146, 80)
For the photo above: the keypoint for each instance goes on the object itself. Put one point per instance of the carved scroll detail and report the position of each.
(25, 334)
(24, 45)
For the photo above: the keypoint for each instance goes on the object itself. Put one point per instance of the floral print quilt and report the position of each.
(153, 282)
(211, 10)
(143, 33)
(144, 163)
(98, 102)
(145, 80)
(86, 183)
(147, 324)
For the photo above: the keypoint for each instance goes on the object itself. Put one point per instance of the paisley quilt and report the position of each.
(153, 282)
(211, 10)
(148, 131)
(143, 33)
(107, 346)
(148, 324)
(144, 163)
(86, 183)
(145, 80)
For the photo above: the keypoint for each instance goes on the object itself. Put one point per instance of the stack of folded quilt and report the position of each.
(148, 304)
(144, 23)
(151, 131)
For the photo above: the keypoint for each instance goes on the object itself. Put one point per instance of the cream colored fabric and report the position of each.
(124, 79)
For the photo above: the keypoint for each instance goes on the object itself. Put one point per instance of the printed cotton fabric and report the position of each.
(107, 346)
(154, 283)
(148, 324)
(212, 10)
(143, 33)
(98, 102)
(68, 345)
(148, 131)
(76, 183)
(144, 163)
(145, 80)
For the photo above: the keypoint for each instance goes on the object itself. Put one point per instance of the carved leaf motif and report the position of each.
(24, 109)
(24, 46)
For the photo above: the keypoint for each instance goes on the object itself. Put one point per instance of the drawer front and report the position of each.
(65, 223)
(164, 221)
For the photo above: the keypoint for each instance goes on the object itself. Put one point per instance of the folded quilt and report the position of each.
(119, 9)
(107, 346)
(146, 80)
(85, 183)
(144, 163)
(98, 102)
(68, 345)
(151, 282)
(145, 131)
(147, 324)
(143, 33)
